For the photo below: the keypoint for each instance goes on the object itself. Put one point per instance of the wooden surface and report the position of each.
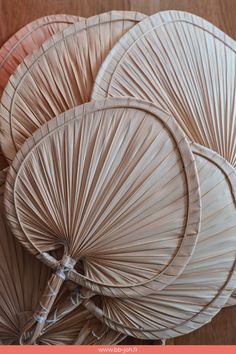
(16, 13)
(221, 330)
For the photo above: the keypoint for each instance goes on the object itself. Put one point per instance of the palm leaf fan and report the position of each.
(28, 39)
(22, 279)
(209, 278)
(187, 67)
(114, 184)
(58, 76)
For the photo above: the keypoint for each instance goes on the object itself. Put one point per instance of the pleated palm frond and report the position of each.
(28, 39)
(22, 279)
(208, 279)
(114, 183)
(58, 76)
(3, 175)
(187, 67)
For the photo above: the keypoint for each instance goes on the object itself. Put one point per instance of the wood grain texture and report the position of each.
(16, 13)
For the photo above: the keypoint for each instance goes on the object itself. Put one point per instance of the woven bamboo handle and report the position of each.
(71, 303)
(32, 330)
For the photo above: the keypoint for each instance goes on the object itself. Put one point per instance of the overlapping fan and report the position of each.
(23, 43)
(58, 76)
(85, 182)
(187, 67)
(135, 219)
(28, 39)
(125, 205)
(22, 279)
(206, 283)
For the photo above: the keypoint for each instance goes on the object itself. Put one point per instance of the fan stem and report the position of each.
(33, 329)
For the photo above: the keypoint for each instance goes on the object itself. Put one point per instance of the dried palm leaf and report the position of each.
(3, 175)
(3, 161)
(187, 67)
(28, 39)
(58, 76)
(23, 43)
(22, 278)
(208, 279)
(20, 290)
(114, 184)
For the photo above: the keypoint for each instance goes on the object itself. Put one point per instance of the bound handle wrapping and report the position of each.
(32, 330)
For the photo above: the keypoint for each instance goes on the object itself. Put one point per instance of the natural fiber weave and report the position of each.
(208, 279)
(28, 39)
(58, 76)
(187, 67)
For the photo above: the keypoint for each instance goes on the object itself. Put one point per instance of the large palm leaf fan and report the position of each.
(22, 280)
(208, 279)
(113, 184)
(187, 67)
(58, 76)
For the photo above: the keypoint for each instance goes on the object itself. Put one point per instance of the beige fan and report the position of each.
(58, 76)
(114, 185)
(28, 39)
(208, 279)
(23, 43)
(22, 278)
(187, 67)
(21, 281)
